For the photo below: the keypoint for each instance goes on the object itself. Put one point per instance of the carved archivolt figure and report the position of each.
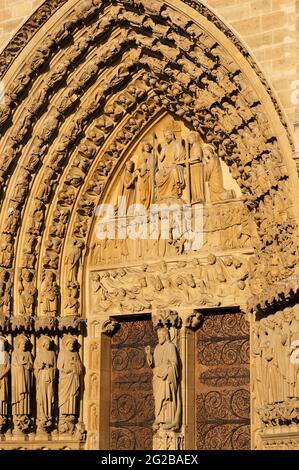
(166, 382)
(72, 303)
(4, 376)
(6, 251)
(27, 293)
(70, 373)
(74, 260)
(128, 188)
(49, 294)
(45, 370)
(5, 292)
(21, 370)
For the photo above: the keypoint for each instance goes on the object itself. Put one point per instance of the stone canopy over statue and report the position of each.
(175, 165)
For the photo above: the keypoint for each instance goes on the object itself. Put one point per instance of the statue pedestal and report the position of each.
(168, 440)
(280, 437)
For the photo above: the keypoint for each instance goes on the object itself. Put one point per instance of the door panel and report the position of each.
(132, 401)
(222, 382)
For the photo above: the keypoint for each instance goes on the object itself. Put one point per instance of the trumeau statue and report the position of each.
(45, 371)
(21, 370)
(166, 382)
(70, 374)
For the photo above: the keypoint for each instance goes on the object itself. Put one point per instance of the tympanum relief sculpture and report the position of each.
(173, 166)
(200, 282)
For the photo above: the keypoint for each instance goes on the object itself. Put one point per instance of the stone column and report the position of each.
(96, 406)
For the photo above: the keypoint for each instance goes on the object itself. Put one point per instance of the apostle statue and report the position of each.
(70, 374)
(4, 377)
(214, 176)
(166, 382)
(45, 371)
(21, 371)
(170, 180)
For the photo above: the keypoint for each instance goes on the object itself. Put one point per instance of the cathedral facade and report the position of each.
(148, 231)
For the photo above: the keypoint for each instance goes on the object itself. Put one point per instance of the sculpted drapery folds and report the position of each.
(145, 171)
(276, 367)
(170, 179)
(27, 293)
(49, 294)
(214, 176)
(45, 373)
(4, 377)
(21, 371)
(74, 260)
(70, 375)
(197, 176)
(128, 190)
(166, 382)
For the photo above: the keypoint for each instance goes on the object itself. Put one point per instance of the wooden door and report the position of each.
(132, 401)
(222, 382)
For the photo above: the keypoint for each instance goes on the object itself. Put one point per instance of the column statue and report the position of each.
(45, 371)
(4, 378)
(21, 371)
(70, 374)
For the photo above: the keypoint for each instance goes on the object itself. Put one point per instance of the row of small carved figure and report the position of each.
(28, 385)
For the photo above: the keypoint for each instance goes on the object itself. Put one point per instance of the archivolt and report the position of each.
(88, 87)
